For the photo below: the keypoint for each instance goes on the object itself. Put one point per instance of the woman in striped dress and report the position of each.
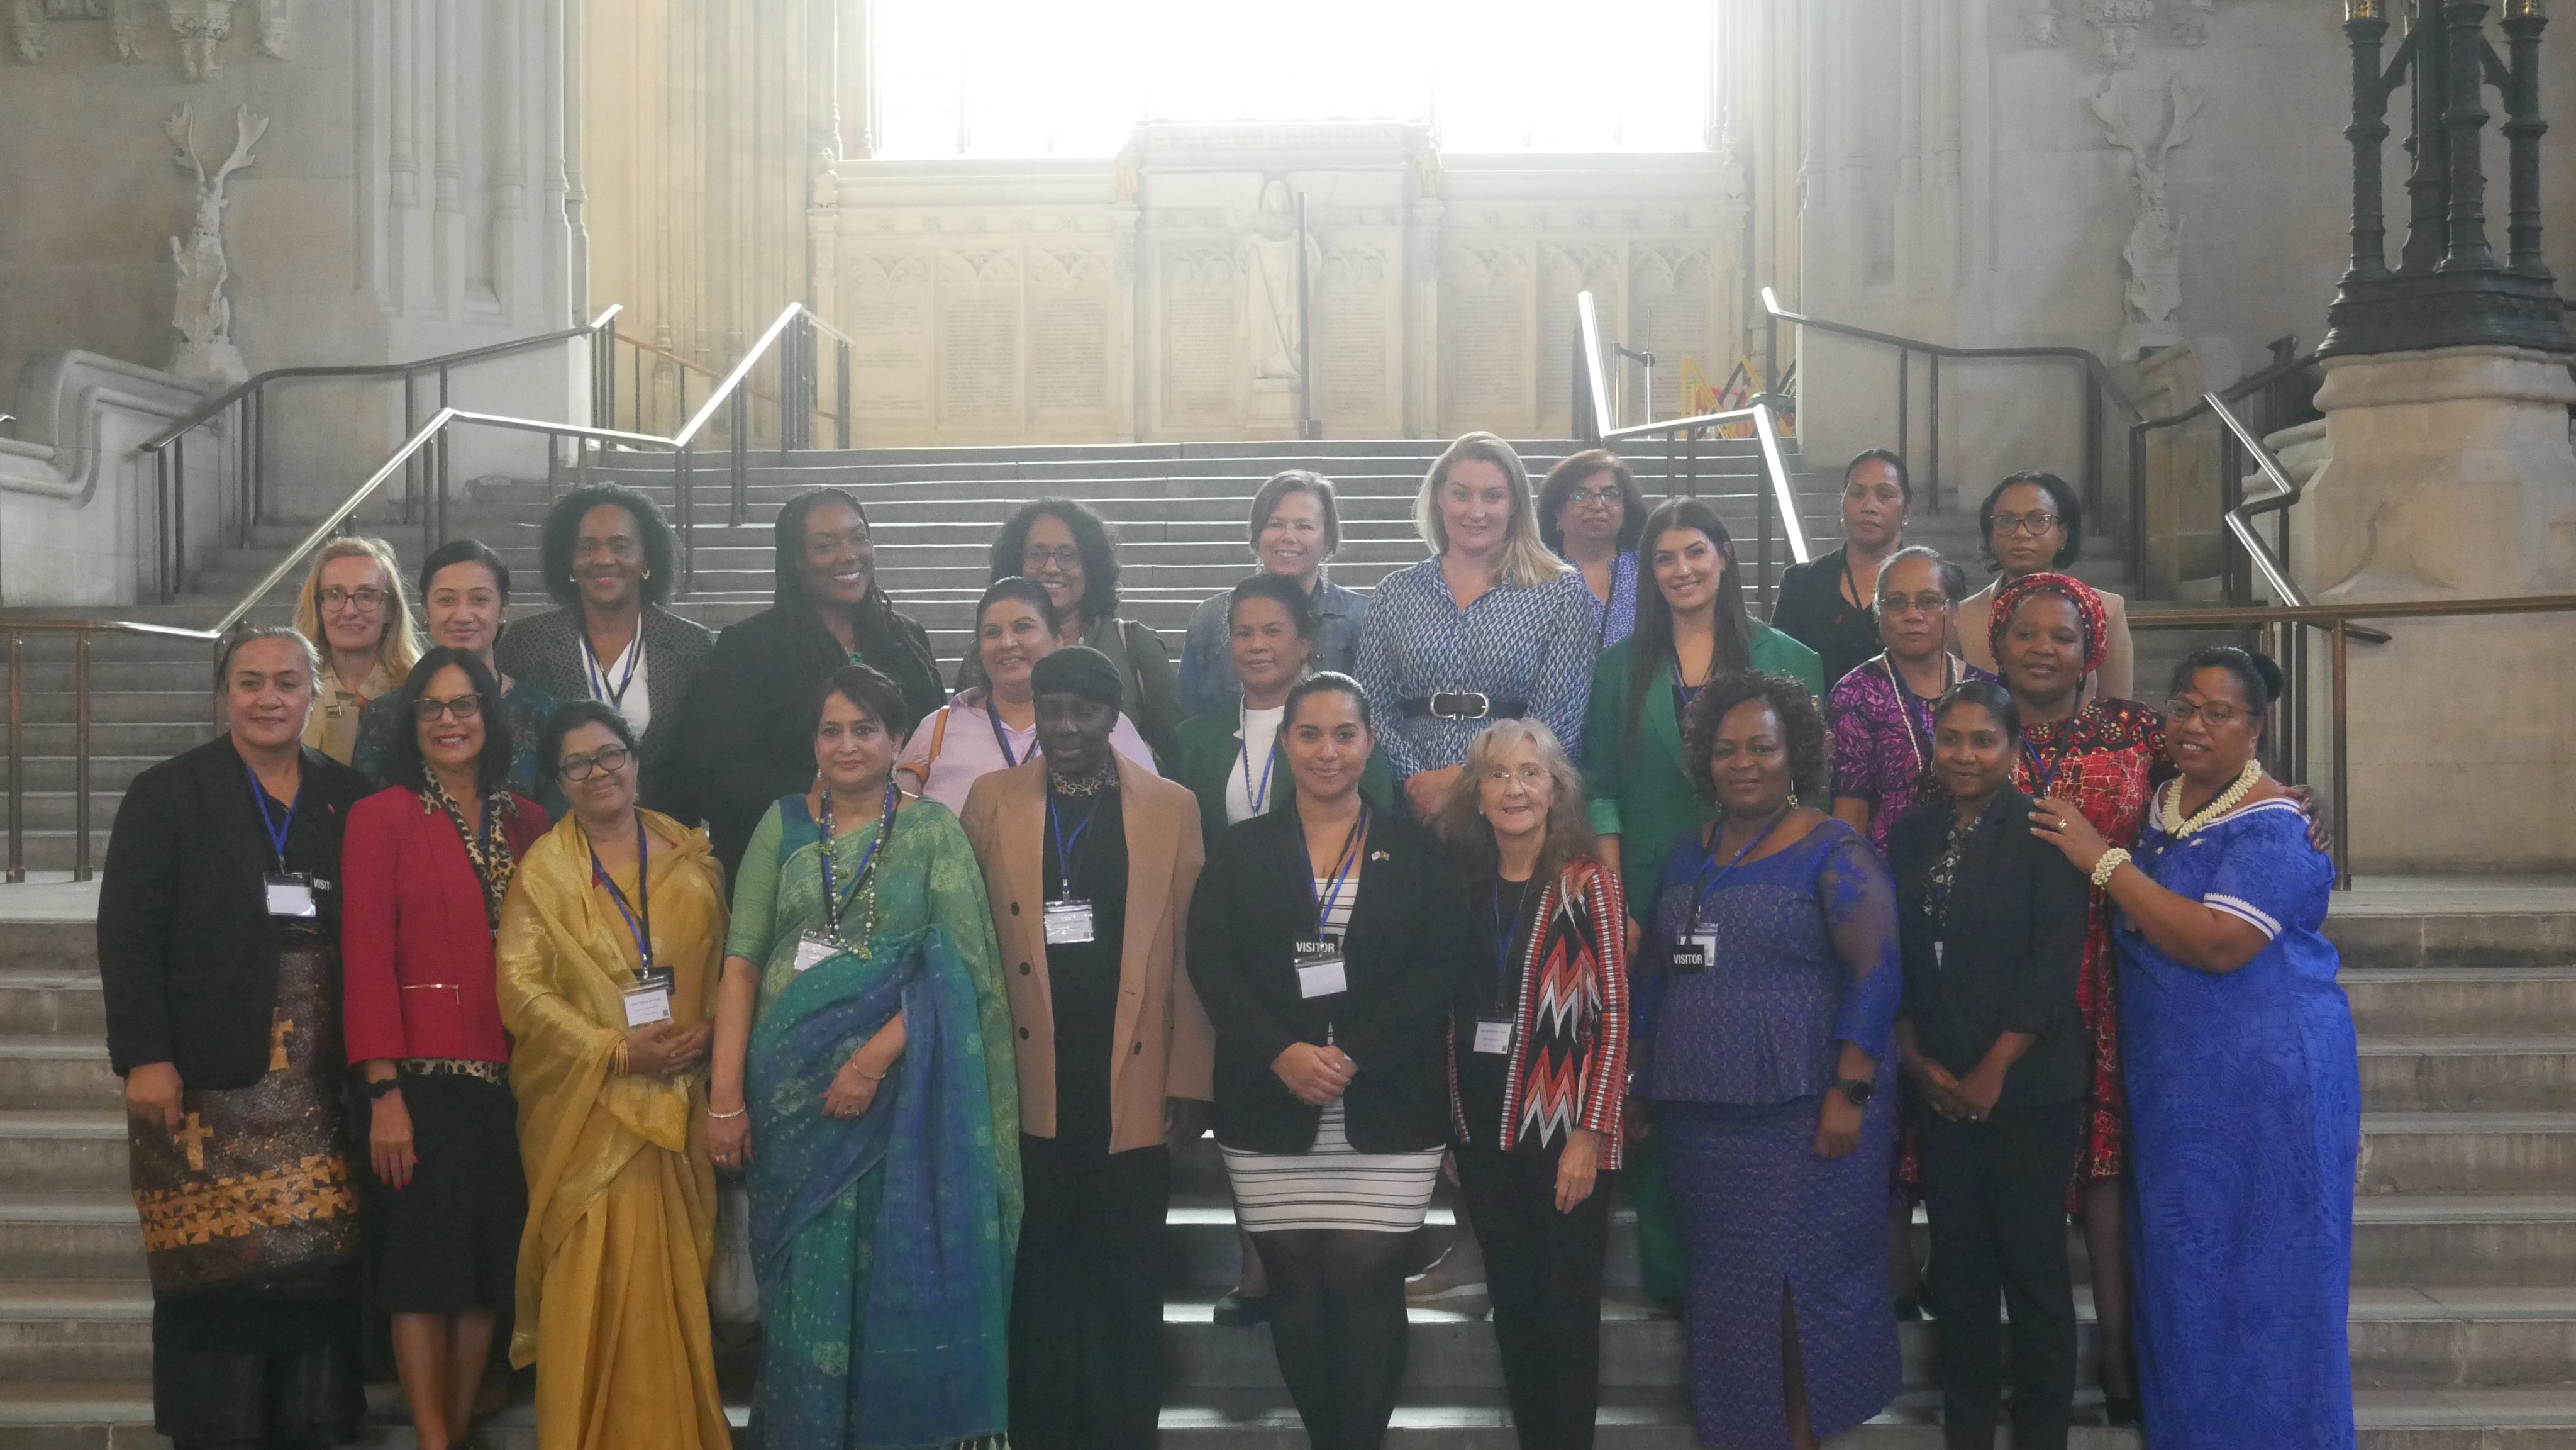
(1324, 945)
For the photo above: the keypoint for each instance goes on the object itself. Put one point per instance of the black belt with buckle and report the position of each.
(1462, 705)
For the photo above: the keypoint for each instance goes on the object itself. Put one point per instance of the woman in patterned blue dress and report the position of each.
(1764, 1005)
(2244, 1089)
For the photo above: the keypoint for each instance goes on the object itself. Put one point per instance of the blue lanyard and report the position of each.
(1001, 741)
(1504, 934)
(643, 930)
(1065, 846)
(833, 901)
(1708, 879)
(598, 681)
(1341, 871)
(1243, 731)
(275, 828)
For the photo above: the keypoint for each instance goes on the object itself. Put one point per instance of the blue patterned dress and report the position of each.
(1615, 619)
(1531, 643)
(1737, 1059)
(2245, 1129)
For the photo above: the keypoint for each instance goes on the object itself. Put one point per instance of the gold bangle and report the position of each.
(617, 1059)
(853, 1065)
(2112, 860)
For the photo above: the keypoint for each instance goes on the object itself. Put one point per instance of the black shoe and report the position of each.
(1238, 1310)
(1908, 1310)
(2118, 1410)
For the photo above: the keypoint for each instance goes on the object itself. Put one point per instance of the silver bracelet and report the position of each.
(714, 1116)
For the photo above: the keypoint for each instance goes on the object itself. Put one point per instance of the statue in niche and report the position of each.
(2045, 27)
(203, 316)
(2153, 253)
(1268, 261)
(125, 29)
(201, 26)
(2117, 23)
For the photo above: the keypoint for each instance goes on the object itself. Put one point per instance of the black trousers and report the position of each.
(1996, 1194)
(1087, 1297)
(1543, 1270)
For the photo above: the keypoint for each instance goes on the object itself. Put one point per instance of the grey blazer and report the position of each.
(545, 650)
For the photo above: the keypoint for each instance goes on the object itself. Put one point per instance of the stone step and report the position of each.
(52, 850)
(2467, 1074)
(91, 1235)
(67, 1328)
(2468, 1153)
(49, 980)
(53, 1150)
(2448, 1000)
(57, 1072)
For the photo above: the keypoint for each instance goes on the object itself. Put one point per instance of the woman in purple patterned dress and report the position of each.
(1881, 712)
(1764, 1005)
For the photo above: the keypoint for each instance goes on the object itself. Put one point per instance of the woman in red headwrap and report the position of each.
(2048, 632)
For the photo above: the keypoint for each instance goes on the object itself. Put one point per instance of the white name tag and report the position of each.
(1493, 1036)
(648, 1005)
(1321, 977)
(291, 896)
(1695, 952)
(814, 949)
(1068, 923)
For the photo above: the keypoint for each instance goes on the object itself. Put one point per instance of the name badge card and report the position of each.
(649, 1000)
(1068, 923)
(1695, 952)
(291, 896)
(1319, 969)
(1492, 1036)
(813, 949)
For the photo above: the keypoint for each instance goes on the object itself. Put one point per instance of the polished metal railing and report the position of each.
(2277, 395)
(1778, 496)
(82, 631)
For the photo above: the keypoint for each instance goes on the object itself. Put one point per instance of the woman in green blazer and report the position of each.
(1691, 628)
(1271, 633)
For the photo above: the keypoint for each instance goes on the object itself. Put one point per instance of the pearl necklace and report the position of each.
(2169, 808)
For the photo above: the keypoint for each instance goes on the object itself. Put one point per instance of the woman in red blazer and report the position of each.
(425, 865)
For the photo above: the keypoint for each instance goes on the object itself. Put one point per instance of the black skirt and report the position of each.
(448, 1241)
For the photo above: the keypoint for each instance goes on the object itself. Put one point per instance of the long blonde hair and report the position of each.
(398, 647)
(1462, 821)
(1525, 560)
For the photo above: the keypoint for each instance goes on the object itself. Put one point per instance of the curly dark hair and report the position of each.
(1810, 748)
(403, 763)
(563, 526)
(1091, 536)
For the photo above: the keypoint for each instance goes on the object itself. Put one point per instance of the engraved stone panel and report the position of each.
(1070, 297)
(1355, 341)
(979, 338)
(1203, 364)
(886, 308)
(1670, 315)
(1485, 340)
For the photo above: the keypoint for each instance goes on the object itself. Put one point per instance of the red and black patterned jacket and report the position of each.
(1568, 1067)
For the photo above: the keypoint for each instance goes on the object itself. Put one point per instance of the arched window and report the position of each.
(1017, 78)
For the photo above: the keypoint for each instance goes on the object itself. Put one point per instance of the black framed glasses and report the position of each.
(365, 598)
(608, 758)
(2216, 715)
(2034, 524)
(463, 707)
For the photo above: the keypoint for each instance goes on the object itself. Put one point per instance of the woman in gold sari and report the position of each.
(608, 955)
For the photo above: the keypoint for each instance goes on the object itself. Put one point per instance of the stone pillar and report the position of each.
(2450, 477)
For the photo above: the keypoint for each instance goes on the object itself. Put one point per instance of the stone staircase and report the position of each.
(2464, 1271)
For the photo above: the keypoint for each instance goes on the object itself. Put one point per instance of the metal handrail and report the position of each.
(81, 629)
(2276, 574)
(2097, 373)
(2287, 363)
(2341, 625)
(1593, 398)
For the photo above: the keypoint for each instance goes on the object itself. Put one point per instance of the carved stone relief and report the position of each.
(2117, 24)
(979, 336)
(1485, 338)
(200, 26)
(2153, 252)
(202, 314)
(1202, 334)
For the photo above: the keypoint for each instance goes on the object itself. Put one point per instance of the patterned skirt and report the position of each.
(1331, 1185)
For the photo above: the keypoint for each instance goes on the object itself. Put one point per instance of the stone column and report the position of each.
(2450, 477)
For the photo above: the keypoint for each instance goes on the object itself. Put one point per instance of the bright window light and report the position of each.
(1043, 78)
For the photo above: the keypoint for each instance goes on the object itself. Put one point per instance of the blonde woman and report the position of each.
(1491, 626)
(353, 608)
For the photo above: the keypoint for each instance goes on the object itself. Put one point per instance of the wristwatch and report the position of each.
(1858, 1091)
(379, 1087)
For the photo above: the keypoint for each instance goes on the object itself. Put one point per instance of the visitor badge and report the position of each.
(1068, 923)
(1695, 952)
(815, 948)
(1493, 1036)
(291, 896)
(649, 1000)
(1319, 969)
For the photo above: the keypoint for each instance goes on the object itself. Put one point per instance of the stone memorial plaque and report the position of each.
(1069, 309)
(1485, 342)
(1203, 353)
(979, 339)
(886, 310)
(1353, 350)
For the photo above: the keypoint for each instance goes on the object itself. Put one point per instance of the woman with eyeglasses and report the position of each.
(994, 725)
(1067, 548)
(863, 1079)
(1828, 603)
(608, 954)
(465, 598)
(1323, 943)
(425, 866)
(2244, 1088)
(1538, 1068)
(352, 608)
(2030, 522)
(1591, 515)
(1881, 712)
(744, 744)
(610, 561)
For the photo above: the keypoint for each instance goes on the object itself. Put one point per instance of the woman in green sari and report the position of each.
(864, 1079)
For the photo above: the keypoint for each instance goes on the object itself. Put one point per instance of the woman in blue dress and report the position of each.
(1764, 1005)
(2244, 1088)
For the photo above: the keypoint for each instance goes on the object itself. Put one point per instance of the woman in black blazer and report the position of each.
(1326, 944)
(1997, 1065)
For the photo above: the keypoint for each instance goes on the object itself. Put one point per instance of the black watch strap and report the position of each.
(379, 1087)
(1857, 1091)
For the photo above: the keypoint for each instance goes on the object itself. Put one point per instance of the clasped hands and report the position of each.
(1315, 1075)
(1960, 1099)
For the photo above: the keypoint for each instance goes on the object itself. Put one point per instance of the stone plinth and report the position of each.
(2450, 477)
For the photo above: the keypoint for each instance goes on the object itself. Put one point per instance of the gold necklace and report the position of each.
(2169, 809)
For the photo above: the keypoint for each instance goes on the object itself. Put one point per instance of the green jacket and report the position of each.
(1643, 796)
(1208, 747)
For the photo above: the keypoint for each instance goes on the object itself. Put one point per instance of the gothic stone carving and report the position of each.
(276, 22)
(201, 26)
(202, 314)
(2153, 253)
(27, 29)
(2116, 23)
